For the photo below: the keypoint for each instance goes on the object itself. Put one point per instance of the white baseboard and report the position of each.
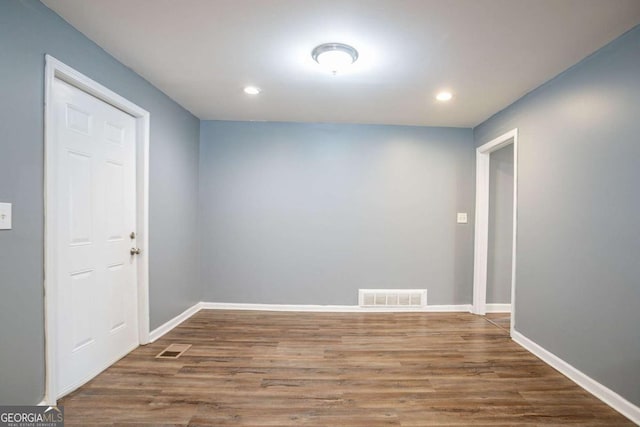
(278, 307)
(166, 327)
(498, 308)
(466, 308)
(331, 308)
(603, 393)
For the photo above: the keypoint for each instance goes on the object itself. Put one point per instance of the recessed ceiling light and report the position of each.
(251, 90)
(334, 56)
(444, 96)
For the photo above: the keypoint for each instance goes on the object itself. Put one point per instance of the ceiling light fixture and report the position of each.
(444, 96)
(251, 90)
(334, 56)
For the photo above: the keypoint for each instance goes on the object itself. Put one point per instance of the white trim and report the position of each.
(448, 308)
(332, 308)
(56, 69)
(168, 326)
(142, 221)
(481, 241)
(498, 308)
(600, 391)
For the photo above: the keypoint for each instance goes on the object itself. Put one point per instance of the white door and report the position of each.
(95, 190)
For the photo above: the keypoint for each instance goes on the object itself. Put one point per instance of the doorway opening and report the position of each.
(484, 271)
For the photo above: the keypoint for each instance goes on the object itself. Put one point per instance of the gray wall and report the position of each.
(578, 269)
(28, 30)
(500, 249)
(309, 213)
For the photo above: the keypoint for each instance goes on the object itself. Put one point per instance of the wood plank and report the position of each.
(331, 369)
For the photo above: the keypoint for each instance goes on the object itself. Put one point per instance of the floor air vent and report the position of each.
(173, 351)
(409, 298)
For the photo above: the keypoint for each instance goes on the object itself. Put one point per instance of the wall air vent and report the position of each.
(392, 298)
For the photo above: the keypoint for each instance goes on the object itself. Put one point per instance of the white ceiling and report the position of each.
(487, 52)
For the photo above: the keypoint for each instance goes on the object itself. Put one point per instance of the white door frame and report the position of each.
(55, 69)
(483, 156)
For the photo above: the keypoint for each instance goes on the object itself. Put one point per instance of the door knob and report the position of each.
(135, 251)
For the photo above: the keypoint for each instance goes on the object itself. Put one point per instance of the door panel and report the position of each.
(83, 286)
(94, 145)
(80, 186)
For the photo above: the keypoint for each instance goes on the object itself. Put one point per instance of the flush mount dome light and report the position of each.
(252, 90)
(444, 96)
(334, 56)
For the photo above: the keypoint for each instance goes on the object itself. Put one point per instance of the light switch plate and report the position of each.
(5, 216)
(462, 218)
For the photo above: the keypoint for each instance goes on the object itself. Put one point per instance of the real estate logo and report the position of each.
(31, 416)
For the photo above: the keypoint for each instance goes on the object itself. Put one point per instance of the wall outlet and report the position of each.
(462, 218)
(5, 216)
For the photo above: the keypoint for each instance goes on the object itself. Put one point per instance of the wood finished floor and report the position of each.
(335, 369)
(501, 320)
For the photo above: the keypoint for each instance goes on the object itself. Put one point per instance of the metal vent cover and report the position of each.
(410, 298)
(173, 351)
